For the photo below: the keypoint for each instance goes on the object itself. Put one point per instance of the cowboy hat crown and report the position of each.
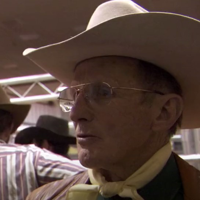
(118, 7)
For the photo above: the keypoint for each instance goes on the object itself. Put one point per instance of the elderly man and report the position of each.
(128, 76)
(25, 168)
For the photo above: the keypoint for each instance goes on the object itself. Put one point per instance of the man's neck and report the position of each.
(121, 172)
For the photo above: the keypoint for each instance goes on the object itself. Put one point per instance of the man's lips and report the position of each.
(86, 139)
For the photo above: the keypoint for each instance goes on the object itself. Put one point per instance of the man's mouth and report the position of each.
(86, 139)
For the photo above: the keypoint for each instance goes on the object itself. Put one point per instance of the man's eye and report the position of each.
(104, 92)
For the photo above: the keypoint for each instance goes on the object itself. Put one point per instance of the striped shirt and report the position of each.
(25, 168)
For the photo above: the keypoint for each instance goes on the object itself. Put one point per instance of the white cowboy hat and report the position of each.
(123, 28)
(19, 112)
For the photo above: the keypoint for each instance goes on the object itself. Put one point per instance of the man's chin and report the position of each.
(87, 158)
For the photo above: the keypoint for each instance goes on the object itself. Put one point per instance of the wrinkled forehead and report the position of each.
(106, 68)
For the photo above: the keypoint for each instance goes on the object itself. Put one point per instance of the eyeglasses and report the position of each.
(99, 92)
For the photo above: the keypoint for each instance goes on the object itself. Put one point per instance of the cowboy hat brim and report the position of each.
(19, 113)
(170, 41)
(32, 133)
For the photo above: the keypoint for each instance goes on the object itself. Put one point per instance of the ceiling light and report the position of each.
(31, 99)
(26, 79)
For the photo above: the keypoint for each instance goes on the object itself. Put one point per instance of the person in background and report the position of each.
(51, 133)
(25, 168)
(11, 116)
(132, 79)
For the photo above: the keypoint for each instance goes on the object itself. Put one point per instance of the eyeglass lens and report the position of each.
(94, 91)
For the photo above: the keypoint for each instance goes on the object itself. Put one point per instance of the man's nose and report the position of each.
(81, 109)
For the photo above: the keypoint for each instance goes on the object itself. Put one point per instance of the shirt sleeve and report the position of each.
(51, 167)
(23, 168)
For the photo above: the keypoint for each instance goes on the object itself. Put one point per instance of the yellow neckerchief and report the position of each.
(127, 188)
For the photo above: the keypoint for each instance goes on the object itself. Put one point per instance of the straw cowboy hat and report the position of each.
(123, 28)
(47, 127)
(19, 112)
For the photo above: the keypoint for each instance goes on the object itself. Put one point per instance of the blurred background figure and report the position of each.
(25, 168)
(11, 116)
(51, 133)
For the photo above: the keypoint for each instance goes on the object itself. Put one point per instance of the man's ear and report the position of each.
(167, 109)
(47, 145)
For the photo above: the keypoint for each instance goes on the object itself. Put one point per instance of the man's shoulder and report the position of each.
(190, 178)
(185, 166)
(9, 148)
(57, 190)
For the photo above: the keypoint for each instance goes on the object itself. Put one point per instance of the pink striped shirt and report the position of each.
(25, 168)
